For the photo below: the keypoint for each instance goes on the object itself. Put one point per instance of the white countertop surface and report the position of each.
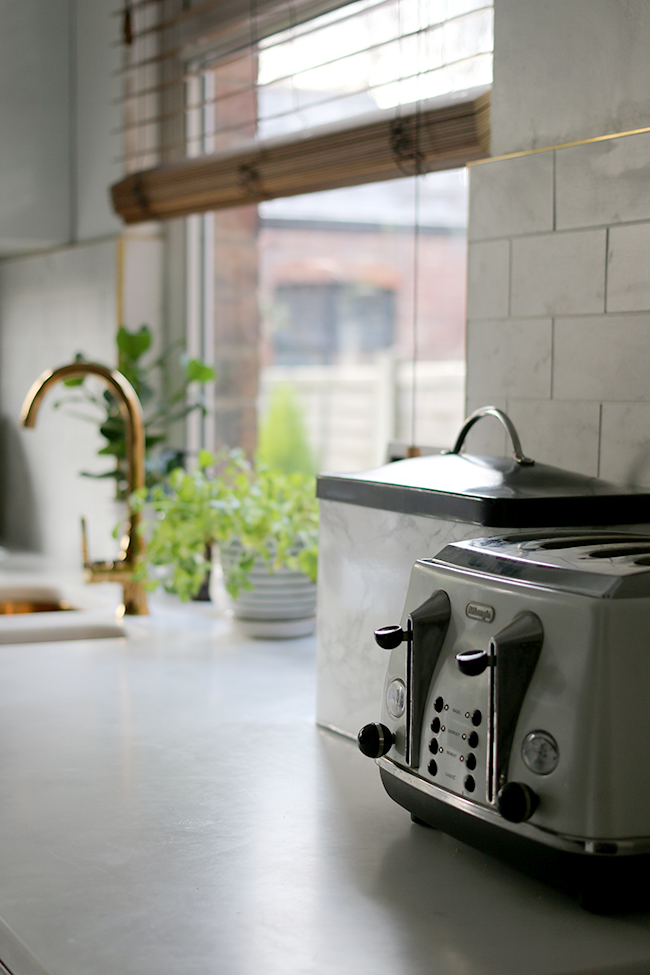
(167, 804)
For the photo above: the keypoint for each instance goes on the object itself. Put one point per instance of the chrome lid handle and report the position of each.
(505, 421)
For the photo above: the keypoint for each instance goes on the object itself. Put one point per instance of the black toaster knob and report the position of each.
(389, 637)
(375, 740)
(473, 662)
(517, 802)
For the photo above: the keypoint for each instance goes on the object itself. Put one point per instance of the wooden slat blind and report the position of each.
(444, 136)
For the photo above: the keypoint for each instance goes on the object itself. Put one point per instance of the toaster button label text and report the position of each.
(480, 611)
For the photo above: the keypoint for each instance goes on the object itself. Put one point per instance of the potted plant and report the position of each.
(265, 524)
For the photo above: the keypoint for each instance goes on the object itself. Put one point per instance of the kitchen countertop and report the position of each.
(168, 805)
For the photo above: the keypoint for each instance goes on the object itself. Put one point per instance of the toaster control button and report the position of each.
(433, 767)
(472, 741)
(375, 740)
(433, 746)
(438, 704)
(477, 717)
(469, 783)
(517, 802)
(435, 725)
(470, 761)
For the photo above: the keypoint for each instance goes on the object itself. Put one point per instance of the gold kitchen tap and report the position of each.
(122, 569)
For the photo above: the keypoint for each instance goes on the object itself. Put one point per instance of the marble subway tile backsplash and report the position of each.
(558, 274)
(625, 443)
(509, 358)
(604, 358)
(511, 196)
(628, 268)
(602, 183)
(557, 432)
(559, 303)
(487, 438)
(488, 289)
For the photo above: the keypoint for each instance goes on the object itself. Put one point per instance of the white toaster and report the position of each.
(515, 712)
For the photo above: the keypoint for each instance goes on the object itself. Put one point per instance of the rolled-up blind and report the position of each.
(229, 103)
(438, 137)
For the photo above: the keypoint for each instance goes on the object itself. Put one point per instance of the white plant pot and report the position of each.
(281, 604)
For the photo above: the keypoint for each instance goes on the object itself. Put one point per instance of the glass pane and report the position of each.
(350, 290)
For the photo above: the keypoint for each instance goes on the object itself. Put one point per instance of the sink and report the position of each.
(18, 600)
(42, 614)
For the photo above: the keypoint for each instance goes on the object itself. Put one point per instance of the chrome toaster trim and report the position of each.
(573, 844)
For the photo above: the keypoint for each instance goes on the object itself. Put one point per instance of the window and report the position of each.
(313, 131)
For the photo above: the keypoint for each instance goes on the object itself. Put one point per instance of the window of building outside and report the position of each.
(352, 299)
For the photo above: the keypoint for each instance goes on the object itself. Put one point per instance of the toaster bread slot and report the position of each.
(516, 650)
(429, 623)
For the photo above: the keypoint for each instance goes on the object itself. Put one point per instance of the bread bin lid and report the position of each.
(495, 492)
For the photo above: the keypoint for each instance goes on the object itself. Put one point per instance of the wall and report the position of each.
(568, 71)
(51, 307)
(558, 328)
(97, 118)
(72, 281)
(35, 121)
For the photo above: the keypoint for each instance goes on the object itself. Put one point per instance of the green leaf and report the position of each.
(133, 344)
(113, 430)
(206, 459)
(75, 381)
(198, 372)
(117, 475)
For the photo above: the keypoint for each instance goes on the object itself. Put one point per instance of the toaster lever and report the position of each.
(390, 637)
(516, 648)
(474, 662)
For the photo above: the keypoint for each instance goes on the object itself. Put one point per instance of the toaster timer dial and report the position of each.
(396, 698)
(540, 752)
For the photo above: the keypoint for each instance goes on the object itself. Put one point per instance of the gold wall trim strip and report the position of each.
(561, 145)
(119, 303)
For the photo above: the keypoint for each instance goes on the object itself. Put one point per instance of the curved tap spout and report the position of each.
(135, 602)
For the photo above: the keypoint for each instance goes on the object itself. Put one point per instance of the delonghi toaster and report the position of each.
(515, 711)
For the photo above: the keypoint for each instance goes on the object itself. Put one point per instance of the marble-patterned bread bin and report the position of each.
(375, 524)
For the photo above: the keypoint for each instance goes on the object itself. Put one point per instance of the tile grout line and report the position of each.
(509, 277)
(552, 353)
(559, 230)
(606, 270)
(600, 433)
(554, 193)
(577, 316)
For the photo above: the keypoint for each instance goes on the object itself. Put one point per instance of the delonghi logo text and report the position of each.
(479, 611)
